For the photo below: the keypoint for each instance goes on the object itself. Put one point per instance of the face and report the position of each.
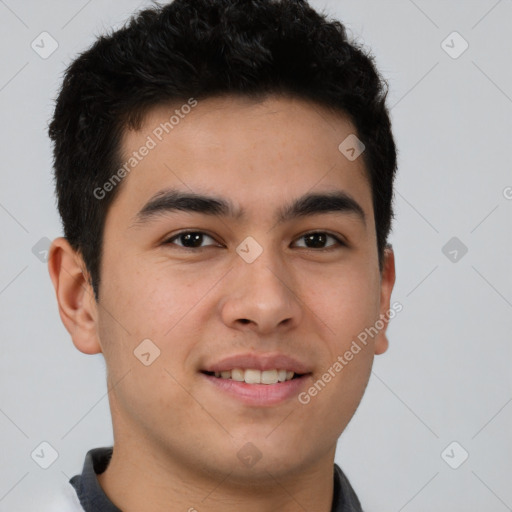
(247, 289)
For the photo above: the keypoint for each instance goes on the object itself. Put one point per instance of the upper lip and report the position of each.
(258, 362)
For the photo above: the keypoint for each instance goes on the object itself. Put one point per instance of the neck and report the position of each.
(141, 478)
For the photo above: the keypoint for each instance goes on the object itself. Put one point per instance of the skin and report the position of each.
(176, 437)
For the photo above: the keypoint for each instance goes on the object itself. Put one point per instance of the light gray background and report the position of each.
(447, 374)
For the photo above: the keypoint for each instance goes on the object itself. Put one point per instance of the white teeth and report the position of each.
(251, 376)
(269, 377)
(238, 374)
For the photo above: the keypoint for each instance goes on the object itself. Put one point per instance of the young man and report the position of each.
(224, 172)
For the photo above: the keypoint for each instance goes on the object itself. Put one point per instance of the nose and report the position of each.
(261, 297)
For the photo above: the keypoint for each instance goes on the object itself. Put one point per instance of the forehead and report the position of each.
(257, 153)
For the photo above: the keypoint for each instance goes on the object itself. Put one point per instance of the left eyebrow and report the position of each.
(171, 200)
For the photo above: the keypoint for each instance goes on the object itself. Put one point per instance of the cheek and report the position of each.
(348, 303)
(155, 400)
(150, 299)
(344, 303)
(159, 304)
(336, 394)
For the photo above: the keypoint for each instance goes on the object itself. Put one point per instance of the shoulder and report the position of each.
(64, 500)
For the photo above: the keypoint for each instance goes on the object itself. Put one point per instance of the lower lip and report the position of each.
(259, 394)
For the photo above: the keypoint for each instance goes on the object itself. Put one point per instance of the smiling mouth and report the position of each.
(254, 376)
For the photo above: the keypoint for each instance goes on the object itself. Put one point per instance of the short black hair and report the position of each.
(206, 48)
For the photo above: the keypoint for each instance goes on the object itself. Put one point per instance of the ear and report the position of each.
(386, 287)
(77, 305)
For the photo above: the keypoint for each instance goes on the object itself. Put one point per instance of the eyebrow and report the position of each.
(172, 200)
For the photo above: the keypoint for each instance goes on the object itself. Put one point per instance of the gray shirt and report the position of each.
(93, 499)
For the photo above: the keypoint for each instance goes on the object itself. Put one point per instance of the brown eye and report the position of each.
(189, 239)
(318, 239)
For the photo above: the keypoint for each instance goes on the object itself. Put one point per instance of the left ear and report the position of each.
(387, 282)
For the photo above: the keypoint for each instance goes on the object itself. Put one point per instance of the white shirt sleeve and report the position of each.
(65, 500)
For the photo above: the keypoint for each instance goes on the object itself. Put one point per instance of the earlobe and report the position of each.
(77, 307)
(381, 344)
(386, 287)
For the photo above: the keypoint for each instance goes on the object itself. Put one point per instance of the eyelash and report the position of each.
(339, 243)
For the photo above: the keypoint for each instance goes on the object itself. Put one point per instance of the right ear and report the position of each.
(75, 297)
